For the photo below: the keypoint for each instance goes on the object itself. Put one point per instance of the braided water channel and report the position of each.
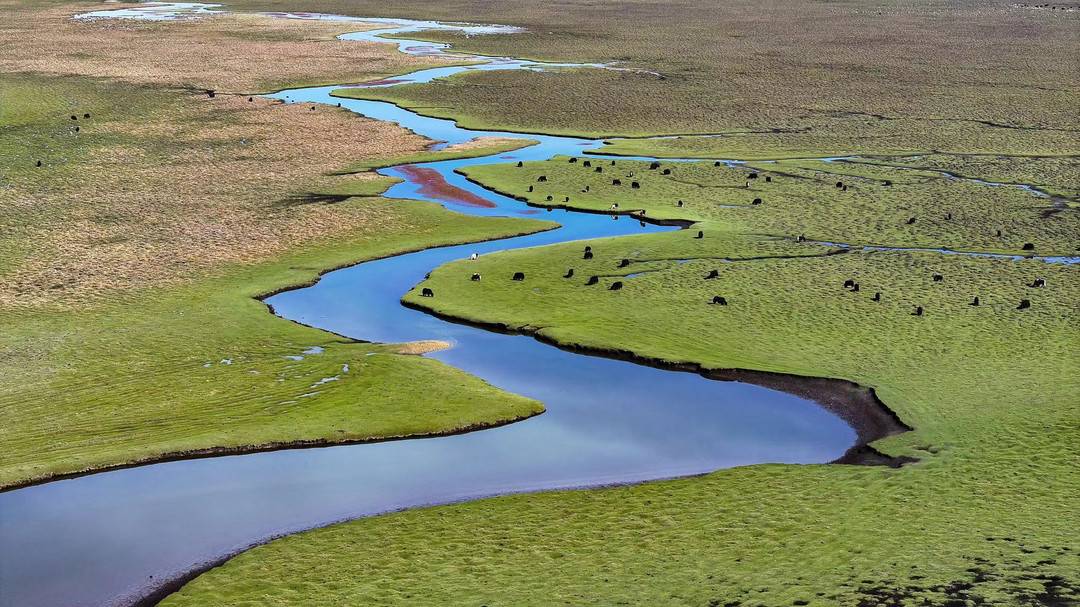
(121, 536)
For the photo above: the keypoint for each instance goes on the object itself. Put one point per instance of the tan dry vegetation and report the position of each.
(480, 143)
(186, 191)
(229, 52)
(422, 347)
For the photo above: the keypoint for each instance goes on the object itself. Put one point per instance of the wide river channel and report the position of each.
(110, 538)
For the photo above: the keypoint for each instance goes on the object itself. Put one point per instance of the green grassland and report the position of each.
(476, 151)
(196, 364)
(985, 517)
(207, 367)
(802, 199)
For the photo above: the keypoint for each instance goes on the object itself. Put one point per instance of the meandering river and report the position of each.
(111, 538)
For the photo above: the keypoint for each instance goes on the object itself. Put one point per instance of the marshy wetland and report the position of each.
(820, 266)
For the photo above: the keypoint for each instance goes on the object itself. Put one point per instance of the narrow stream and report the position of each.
(110, 538)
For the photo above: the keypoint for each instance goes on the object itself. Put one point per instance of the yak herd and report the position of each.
(850, 284)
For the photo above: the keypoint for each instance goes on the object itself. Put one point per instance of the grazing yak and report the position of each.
(616, 182)
(665, 172)
(588, 254)
(712, 274)
(210, 94)
(426, 292)
(587, 163)
(948, 216)
(849, 283)
(549, 197)
(756, 201)
(839, 184)
(635, 185)
(887, 183)
(476, 277)
(520, 164)
(876, 297)
(614, 206)
(1038, 283)
(38, 163)
(599, 170)
(752, 176)
(938, 278)
(615, 286)
(519, 276)
(653, 166)
(719, 300)
(679, 204)
(717, 163)
(801, 238)
(910, 220)
(530, 188)
(1028, 246)
(474, 256)
(700, 234)
(86, 115)
(623, 263)
(592, 280)
(569, 273)
(918, 311)
(768, 179)
(541, 178)
(573, 160)
(1024, 304)
(974, 301)
(855, 288)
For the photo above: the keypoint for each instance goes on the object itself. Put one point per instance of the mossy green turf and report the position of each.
(986, 516)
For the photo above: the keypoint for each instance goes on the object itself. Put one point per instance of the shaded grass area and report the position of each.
(801, 198)
(983, 518)
(780, 78)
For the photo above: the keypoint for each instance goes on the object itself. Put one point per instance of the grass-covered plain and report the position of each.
(131, 257)
(482, 146)
(985, 517)
(801, 198)
(779, 78)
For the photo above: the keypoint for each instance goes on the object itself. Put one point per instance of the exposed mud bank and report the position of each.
(433, 185)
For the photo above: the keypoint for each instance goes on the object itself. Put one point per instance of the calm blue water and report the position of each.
(106, 538)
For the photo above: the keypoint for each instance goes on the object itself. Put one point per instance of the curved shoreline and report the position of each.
(218, 451)
(858, 405)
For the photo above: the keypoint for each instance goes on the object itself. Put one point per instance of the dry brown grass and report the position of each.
(171, 184)
(188, 190)
(230, 52)
(422, 347)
